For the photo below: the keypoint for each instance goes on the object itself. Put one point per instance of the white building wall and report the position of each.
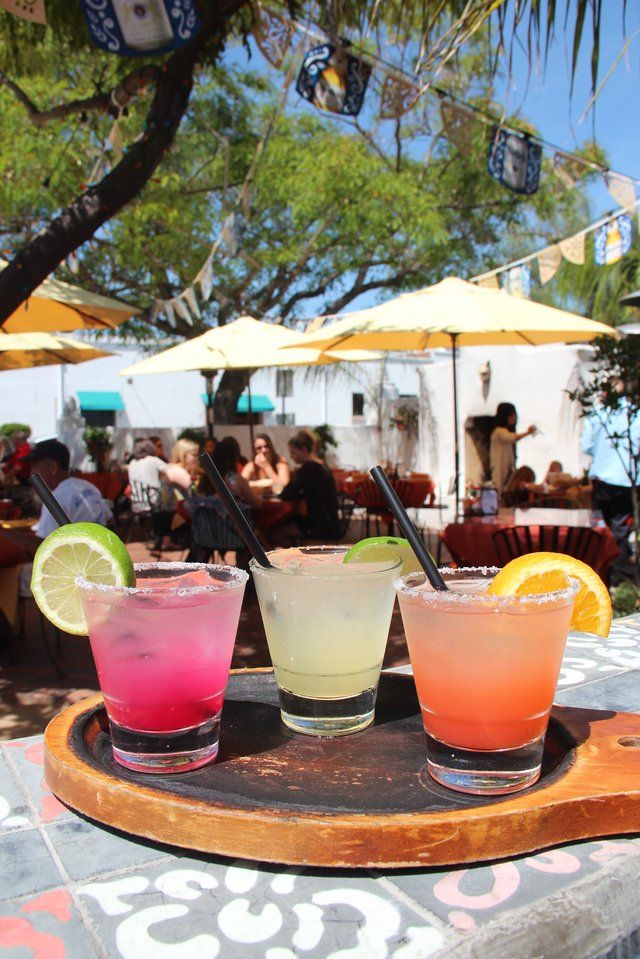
(534, 379)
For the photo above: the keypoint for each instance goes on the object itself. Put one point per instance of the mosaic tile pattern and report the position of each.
(69, 888)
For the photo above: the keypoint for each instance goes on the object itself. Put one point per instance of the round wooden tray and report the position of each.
(362, 800)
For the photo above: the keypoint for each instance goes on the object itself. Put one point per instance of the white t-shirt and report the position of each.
(81, 501)
(145, 477)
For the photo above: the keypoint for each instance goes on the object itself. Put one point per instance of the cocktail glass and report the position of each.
(327, 624)
(162, 651)
(486, 670)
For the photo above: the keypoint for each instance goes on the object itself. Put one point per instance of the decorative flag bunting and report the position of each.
(167, 309)
(32, 10)
(137, 28)
(515, 161)
(397, 97)
(458, 124)
(568, 169)
(549, 261)
(181, 308)
(232, 233)
(205, 279)
(190, 297)
(490, 282)
(572, 249)
(333, 80)
(514, 158)
(273, 35)
(612, 240)
(621, 189)
(517, 281)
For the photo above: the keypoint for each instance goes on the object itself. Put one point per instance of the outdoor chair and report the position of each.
(212, 529)
(367, 495)
(577, 541)
(144, 505)
(25, 597)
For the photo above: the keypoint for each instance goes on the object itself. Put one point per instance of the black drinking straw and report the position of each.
(409, 530)
(49, 500)
(239, 520)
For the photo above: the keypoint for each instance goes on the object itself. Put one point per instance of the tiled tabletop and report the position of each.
(70, 889)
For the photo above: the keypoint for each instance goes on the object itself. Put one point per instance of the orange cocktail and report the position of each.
(486, 669)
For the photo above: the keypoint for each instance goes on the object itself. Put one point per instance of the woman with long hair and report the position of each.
(502, 454)
(211, 526)
(226, 457)
(182, 471)
(267, 468)
(312, 484)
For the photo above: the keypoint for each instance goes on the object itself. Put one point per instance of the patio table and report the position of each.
(470, 541)
(69, 887)
(11, 559)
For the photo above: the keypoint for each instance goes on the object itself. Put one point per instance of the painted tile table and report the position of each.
(71, 889)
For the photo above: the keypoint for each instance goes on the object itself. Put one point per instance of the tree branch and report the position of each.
(88, 212)
(112, 102)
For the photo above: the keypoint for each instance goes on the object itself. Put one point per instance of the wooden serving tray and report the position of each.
(363, 800)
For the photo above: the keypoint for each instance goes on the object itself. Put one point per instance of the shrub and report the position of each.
(8, 428)
(625, 598)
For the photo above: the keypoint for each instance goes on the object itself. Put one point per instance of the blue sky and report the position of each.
(543, 96)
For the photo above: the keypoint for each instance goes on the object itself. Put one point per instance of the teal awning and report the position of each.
(259, 404)
(97, 400)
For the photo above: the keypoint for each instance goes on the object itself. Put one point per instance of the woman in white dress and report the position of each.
(502, 454)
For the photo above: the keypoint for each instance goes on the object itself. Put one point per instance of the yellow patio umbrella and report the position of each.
(451, 314)
(244, 344)
(19, 351)
(60, 307)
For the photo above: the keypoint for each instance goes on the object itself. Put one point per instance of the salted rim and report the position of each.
(328, 572)
(432, 598)
(238, 574)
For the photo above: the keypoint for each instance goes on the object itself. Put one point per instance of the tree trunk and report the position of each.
(78, 223)
(231, 386)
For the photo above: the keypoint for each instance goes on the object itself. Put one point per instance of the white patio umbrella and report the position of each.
(244, 344)
(451, 314)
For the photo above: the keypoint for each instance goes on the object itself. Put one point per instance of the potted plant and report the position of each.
(326, 439)
(99, 443)
(405, 420)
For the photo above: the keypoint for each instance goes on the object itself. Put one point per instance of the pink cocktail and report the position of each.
(486, 669)
(163, 650)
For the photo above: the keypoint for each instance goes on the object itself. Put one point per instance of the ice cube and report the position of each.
(197, 577)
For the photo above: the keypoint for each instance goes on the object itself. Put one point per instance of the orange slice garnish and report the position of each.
(548, 572)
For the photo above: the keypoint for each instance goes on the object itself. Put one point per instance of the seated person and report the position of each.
(212, 527)
(226, 457)
(267, 469)
(182, 471)
(146, 472)
(557, 480)
(18, 467)
(81, 501)
(312, 484)
(6, 451)
(520, 484)
(151, 491)
(158, 446)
